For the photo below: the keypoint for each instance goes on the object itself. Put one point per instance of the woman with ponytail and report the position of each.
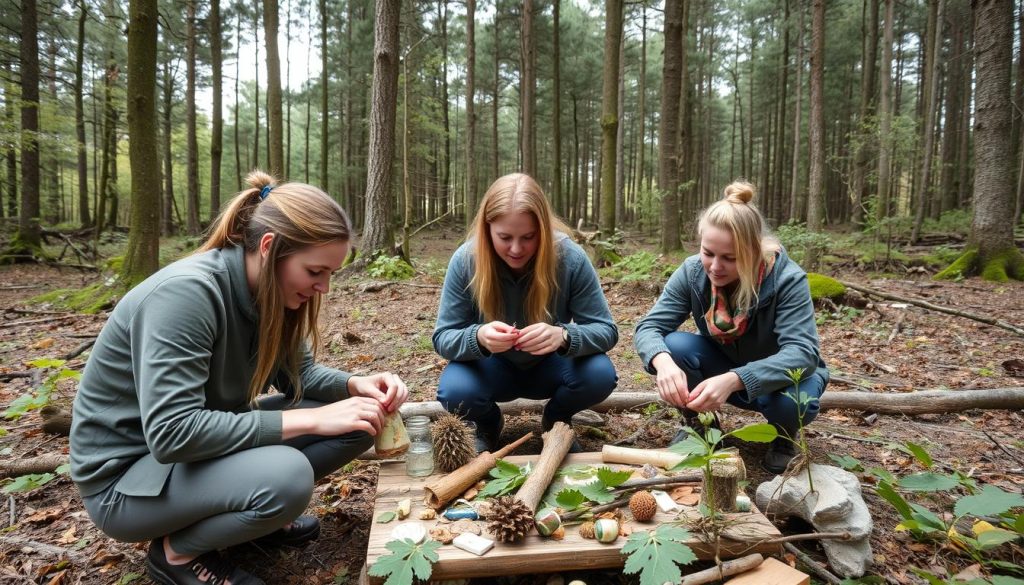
(755, 321)
(171, 440)
(522, 315)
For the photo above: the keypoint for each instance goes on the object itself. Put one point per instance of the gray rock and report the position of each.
(836, 505)
(588, 417)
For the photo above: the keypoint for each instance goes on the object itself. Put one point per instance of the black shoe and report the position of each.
(302, 530)
(547, 424)
(206, 569)
(690, 420)
(780, 452)
(488, 435)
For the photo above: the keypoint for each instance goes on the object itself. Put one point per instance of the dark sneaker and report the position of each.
(690, 420)
(302, 530)
(206, 569)
(780, 452)
(547, 424)
(488, 435)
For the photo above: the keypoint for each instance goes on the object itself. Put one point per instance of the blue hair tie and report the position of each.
(265, 191)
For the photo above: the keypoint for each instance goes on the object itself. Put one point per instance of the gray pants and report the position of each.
(216, 503)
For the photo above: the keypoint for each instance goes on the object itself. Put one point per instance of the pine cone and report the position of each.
(454, 443)
(643, 506)
(510, 519)
(587, 530)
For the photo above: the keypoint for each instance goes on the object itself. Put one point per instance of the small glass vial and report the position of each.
(419, 459)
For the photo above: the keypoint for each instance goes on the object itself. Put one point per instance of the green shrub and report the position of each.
(390, 268)
(640, 266)
(800, 241)
(824, 287)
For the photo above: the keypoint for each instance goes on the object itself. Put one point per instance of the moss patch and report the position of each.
(91, 299)
(1000, 267)
(824, 287)
(19, 251)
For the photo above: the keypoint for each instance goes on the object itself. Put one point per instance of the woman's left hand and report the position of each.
(385, 387)
(539, 339)
(712, 393)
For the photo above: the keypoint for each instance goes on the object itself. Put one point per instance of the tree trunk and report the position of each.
(217, 130)
(29, 232)
(684, 148)
(641, 107)
(288, 94)
(324, 79)
(954, 90)
(778, 188)
(275, 122)
(377, 235)
(495, 102)
(84, 218)
(446, 162)
(816, 189)
(557, 195)
(931, 93)
(668, 164)
(796, 204)
(610, 112)
(528, 146)
(238, 60)
(470, 196)
(11, 154)
(192, 144)
(256, 87)
(142, 257)
(885, 113)
(109, 134)
(167, 221)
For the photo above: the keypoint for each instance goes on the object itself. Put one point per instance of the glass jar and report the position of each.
(419, 459)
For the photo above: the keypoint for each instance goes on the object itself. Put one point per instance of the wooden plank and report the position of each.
(536, 554)
(771, 572)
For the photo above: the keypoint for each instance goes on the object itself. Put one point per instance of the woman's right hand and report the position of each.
(671, 380)
(497, 337)
(360, 413)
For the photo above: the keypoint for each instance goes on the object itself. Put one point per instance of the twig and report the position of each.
(21, 286)
(435, 220)
(642, 428)
(810, 536)
(32, 312)
(1002, 448)
(11, 504)
(812, 565)
(379, 286)
(35, 321)
(897, 327)
(7, 376)
(688, 477)
(42, 547)
(78, 350)
(932, 307)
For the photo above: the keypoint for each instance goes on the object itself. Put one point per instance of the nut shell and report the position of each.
(643, 506)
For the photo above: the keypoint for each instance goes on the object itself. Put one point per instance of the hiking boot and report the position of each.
(780, 452)
(206, 569)
(301, 530)
(690, 420)
(547, 424)
(488, 434)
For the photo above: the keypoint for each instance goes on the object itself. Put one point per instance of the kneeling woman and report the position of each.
(522, 315)
(755, 322)
(169, 442)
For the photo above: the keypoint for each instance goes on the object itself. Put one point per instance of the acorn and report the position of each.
(587, 530)
(454, 443)
(643, 506)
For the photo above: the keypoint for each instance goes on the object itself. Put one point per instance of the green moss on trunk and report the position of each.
(824, 287)
(999, 267)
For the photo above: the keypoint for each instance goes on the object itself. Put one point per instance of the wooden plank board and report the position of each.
(536, 554)
(771, 572)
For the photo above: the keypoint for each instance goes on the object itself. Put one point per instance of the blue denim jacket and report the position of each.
(579, 306)
(781, 335)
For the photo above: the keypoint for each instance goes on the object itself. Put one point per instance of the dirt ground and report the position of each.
(48, 538)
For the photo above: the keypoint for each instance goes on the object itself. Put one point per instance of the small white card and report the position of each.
(470, 542)
(665, 501)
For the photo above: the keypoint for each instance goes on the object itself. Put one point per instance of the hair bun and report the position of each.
(257, 179)
(739, 192)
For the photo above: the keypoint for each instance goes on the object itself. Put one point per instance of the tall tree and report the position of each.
(556, 115)
(275, 122)
(217, 130)
(867, 92)
(83, 166)
(29, 238)
(142, 256)
(931, 99)
(816, 188)
(610, 111)
(668, 165)
(796, 206)
(166, 218)
(324, 77)
(528, 143)
(991, 250)
(377, 232)
(446, 163)
(470, 198)
(885, 113)
(11, 155)
(192, 142)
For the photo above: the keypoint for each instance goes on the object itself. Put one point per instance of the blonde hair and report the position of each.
(515, 193)
(299, 216)
(752, 241)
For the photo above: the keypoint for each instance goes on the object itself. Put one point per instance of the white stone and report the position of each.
(470, 542)
(836, 505)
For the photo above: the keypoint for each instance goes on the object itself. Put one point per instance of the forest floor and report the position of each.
(48, 538)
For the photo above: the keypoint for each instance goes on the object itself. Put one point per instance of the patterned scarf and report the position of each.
(725, 323)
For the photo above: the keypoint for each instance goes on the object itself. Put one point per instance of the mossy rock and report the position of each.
(1000, 267)
(824, 287)
(91, 299)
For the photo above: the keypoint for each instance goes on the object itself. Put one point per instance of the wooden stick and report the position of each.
(446, 488)
(932, 307)
(812, 565)
(733, 567)
(811, 536)
(663, 459)
(557, 443)
(41, 464)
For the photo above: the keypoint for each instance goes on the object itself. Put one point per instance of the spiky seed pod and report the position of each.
(454, 443)
(510, 519)
(643, 506)
(587, 530)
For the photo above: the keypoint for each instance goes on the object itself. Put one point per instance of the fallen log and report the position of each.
(41, 464)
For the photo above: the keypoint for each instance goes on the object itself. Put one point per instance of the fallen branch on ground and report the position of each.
(726, 569)
(812, 565)
(41, 464)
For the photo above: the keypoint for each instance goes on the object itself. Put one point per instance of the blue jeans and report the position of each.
(700, 358)
(472, 389)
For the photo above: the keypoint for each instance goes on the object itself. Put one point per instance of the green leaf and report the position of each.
(920, 454)
(758, 433)
(656, 555)
(713, 436)
(46, 363)
(992, 538)
(693, 461)
(406, 560)
(27, 483)
(505, 469)
(64, 469)
(128, 578)
(882, 474)
(932, 579)
(597, 492)
(928, 482)
(887, 493)
(63, 374)
(505, 480)
(1005, 566)
(569, 499)
(989, 501)
(846, 462)
(386, 517)
(927, 518)
(612, 478)
(689, 446)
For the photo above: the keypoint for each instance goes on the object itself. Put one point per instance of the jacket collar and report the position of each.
(234, 259)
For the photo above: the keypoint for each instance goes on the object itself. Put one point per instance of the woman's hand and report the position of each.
(712, 393)
(497, 337)
(540, 339)
(386, 388)
(671, 380)
(337, 418)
